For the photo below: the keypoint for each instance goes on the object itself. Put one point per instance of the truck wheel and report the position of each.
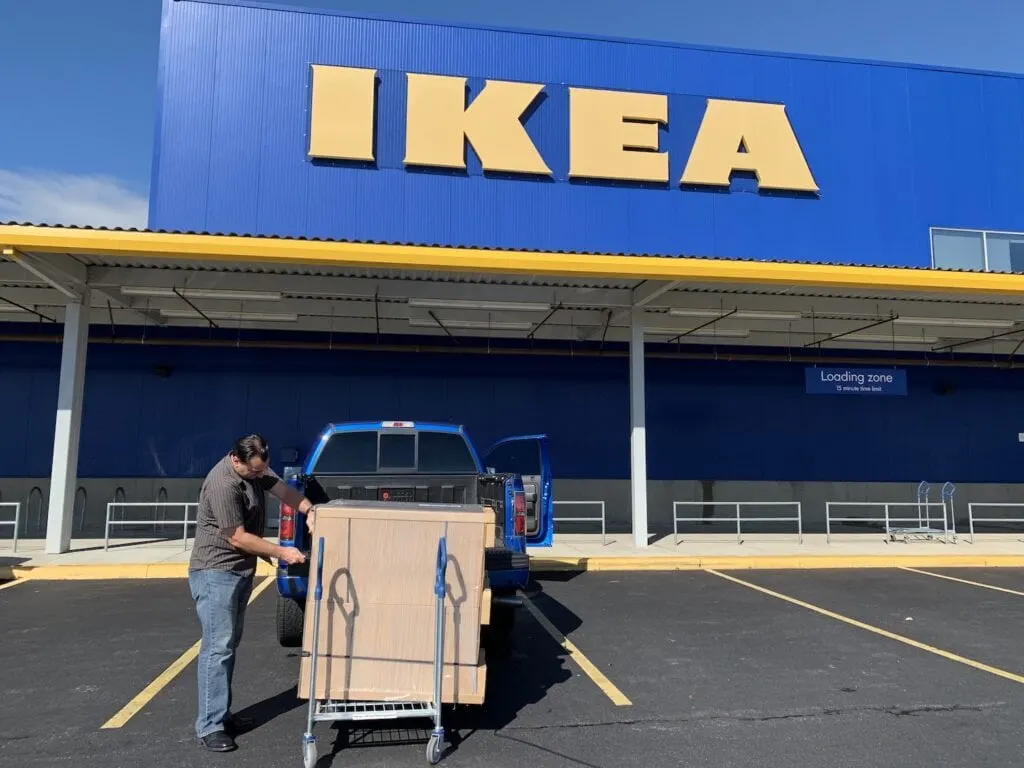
(290, 621)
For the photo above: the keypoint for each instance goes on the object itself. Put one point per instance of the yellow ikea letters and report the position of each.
(438, 122)
(763, 130)
(612, 134)
(341, 113)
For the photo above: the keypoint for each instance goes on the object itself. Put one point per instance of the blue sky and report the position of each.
(79, 76)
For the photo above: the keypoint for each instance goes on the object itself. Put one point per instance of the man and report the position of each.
(229, 539)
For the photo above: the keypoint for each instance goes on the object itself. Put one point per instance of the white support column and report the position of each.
(638, 431)
(64, 472)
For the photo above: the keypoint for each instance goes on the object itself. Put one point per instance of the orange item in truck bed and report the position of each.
(377, 615)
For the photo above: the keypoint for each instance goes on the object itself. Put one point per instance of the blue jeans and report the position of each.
(221, 598)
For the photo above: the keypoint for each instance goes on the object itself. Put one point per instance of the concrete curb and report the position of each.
(541, 565)
(107, 571)
(752, 562)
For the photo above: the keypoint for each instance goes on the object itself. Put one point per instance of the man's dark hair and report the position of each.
(249, 447)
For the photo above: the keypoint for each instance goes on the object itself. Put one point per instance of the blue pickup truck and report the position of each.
(405, 461)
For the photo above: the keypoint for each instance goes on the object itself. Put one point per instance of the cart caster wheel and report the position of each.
(309, 756)
(435, 748)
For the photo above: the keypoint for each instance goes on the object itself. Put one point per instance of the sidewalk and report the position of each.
(147, 559)
(581, 552)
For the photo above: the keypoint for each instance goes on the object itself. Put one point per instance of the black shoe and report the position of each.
(218, 741)
(238, 724)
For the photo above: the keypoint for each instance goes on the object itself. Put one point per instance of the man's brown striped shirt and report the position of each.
(227, 501)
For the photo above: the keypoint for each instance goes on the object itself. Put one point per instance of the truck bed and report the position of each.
(486, 490)
(422, 489)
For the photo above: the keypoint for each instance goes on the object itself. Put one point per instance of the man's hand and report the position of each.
(291, 556)
(310, 515)
(247, 542)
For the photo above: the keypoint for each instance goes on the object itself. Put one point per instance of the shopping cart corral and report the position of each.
(333, 711)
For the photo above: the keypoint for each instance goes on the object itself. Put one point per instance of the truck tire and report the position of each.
(290, 621)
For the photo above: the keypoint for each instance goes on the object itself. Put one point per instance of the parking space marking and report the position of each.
(607, 686)
(161, 681)
(876, 630)
(964, 581)
(10, 584)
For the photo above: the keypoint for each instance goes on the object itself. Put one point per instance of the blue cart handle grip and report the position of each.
(320, 569)
(442, 566)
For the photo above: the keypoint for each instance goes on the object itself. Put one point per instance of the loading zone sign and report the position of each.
(855, 381)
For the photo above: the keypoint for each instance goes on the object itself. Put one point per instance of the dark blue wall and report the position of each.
(706, 420)
(895, 149)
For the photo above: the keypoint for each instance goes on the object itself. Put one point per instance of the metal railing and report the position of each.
(923, 518)
(738, 519)
(971, 519)
(16, 522)
(185, 522)
(601, 519)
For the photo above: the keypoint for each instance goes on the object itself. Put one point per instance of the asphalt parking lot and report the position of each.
(813, 668)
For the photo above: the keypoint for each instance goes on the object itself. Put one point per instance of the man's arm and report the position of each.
(293, 499)
(241, 539)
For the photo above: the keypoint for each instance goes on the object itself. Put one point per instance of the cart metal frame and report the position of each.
(924, 527)
(333, 711)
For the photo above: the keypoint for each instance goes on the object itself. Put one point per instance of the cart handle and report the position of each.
(442, 566)
(319, 592)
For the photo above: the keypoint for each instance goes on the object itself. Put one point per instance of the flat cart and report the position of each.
(333, 711)
(924, 505)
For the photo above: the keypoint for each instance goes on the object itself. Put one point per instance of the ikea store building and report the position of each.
(706, 275)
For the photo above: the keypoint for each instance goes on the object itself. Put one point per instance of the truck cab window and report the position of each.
(348, 453)
(397, 451)
(445, 453)
(516, 457)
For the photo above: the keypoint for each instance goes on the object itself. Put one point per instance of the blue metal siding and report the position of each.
(894, 149)
(706, 420)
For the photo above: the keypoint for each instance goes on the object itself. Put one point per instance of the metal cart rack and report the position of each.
(362, 711)
(924, 528)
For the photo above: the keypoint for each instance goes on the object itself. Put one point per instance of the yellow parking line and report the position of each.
(964, 581)
(161, 681)
(602, 682)
(10, 584)
(876, 630)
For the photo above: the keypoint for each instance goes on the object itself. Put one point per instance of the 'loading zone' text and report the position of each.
(851, 380)
(823, 381)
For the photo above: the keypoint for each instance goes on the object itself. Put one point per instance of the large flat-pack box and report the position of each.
(361, 679)
(377, 615)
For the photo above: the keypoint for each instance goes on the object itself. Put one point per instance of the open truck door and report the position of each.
(528, 457)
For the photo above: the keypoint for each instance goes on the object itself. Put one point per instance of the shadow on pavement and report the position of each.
(270, 709)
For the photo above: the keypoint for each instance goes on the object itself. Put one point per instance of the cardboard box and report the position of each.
(377, 623)
(387, 680)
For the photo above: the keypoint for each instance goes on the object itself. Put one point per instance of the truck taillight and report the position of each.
(286, 527)
(519, 514)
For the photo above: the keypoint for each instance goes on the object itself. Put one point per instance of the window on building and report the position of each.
(1005, 252)
(954, 249)
(978, 250)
